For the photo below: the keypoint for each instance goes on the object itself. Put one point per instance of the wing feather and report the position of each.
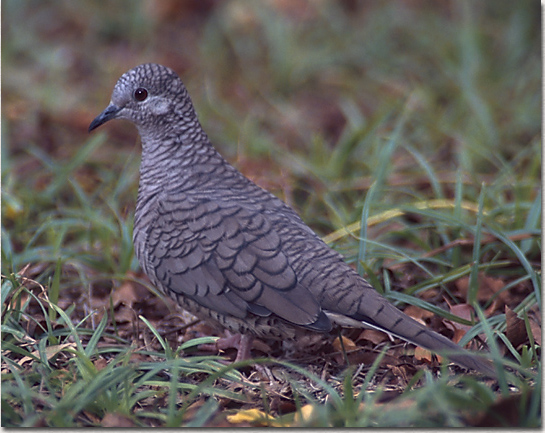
(229, 258)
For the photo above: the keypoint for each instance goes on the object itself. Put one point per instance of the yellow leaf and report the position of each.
(253, 416)
(305, 414)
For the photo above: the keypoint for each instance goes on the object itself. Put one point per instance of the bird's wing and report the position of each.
(228, 256)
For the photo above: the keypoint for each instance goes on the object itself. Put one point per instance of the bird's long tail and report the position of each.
(389, 319)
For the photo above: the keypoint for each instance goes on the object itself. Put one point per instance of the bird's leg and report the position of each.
(241, 342)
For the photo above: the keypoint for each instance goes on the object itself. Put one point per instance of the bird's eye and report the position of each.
(140, 94)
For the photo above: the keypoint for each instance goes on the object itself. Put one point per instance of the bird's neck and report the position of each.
(170, 169)
(176, 165)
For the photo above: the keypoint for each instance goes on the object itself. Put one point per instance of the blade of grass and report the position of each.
(168, 351)
(536, 282)
(494, 350)
(362, 250)
(380, 176)
(172, 418)
(97, 335)
(54, 289)
(205, 412)
(197, 341)
(530, 337)
(533, 220)
(473, 276)
(24, 391)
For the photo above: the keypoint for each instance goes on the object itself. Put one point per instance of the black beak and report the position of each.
(108, 114)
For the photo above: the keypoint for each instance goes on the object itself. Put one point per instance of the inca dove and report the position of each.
(230, 251)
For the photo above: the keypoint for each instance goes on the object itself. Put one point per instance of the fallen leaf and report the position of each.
(50, 352)
(128, 293)
(506, 412)
(418, 314)
(536, 332)
(516, 329)
(458, 334)
(347, 344)
(303, 415)
(464, 311)
(117, 420)
(125, 315)
(100, 364)
(374, 336)
(423, 355)
(253, 416)
(488, 287)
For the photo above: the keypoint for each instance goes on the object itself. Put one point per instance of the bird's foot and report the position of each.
(241, 342)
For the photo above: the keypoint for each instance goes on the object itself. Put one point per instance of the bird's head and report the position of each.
(150, 96)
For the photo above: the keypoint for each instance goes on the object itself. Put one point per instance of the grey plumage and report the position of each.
(230, 251)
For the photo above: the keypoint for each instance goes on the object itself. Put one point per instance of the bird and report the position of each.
(231, 252)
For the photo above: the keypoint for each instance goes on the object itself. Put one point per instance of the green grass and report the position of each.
(408, 135)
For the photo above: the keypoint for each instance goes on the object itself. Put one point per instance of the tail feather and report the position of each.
(404, 327)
